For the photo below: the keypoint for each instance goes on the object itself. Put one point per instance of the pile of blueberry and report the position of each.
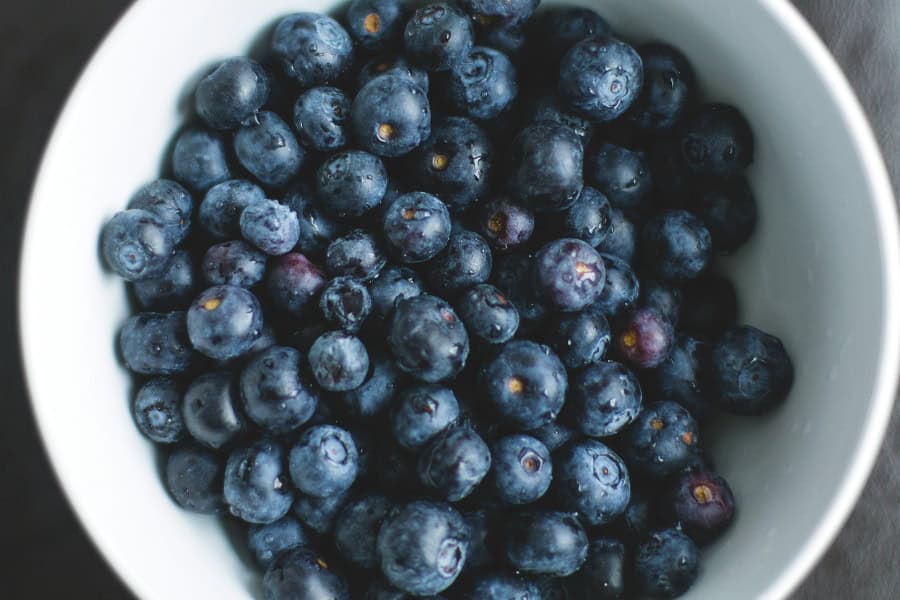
(428, 302)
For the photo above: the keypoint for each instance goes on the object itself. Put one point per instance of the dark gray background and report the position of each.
(43, 46)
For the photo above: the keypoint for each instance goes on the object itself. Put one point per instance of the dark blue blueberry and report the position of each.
(675, 245)
(421, 412)
(210, 409)
(376, 25)
(156, 343)
(604, 398)
(621, 238)
(591, 480)
(494, 11)
(319, 514)
(232, 95)
(621, 174)
(506, 225)
(137, 245)
(390, 115)
(669, 86)
(662, 297)
(644, 338)
(488, 314)
(507, 37)
(526, 384)
(512, 275)
(546, 167)
(546, 543)
(224, 321)
(482, 530)
(499, 586)
(350, 183)
(663, 440)
(393, 64)
(301, 574)
(324, 461)
(356, 529)
(221, 208)
(157, 411)
(751, 371)
(559, 28)
(313, 49)
(339, 361)
(600, 77)
(199, 160)
(269, 150)
(454, 462)
(320, 116)
(292, 282)
(194, 478)
(375, 393)
(270, 226)
(416, 227)
(588, 219)
(522, 470)
(422, 547)
(682, 376)
(717, 140)
(547, 107)
(266, 542)
(621, 289)
(466, 261)
(728, 209)
(355, 254)
(427, 339)
(569, 274)
(666, 564)
(554, 435)
(438, 37)
(233, 263)
(170, 202)
(275, 397)
(174, 289)
(345, 302)
(317, 229)
(603, 575)
(704, 505)
(256, 485)
(392, 285)
(483, 85)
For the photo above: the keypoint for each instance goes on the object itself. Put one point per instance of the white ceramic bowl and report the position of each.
(822, 273)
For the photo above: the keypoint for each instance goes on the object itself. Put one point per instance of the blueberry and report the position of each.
(345, 302)
(339, 361)
(554, 435)
(375, 393)
(559, 28)
(663, 440)
(255, 483)
(421, 412)
(391, 286)
(569, 274)
(717, 140)
(621, 174)
(170, 202)
(210, 410)
(301, 574)
(526, 384)
(356, 529)
(392, 64)
(376, 24)
(751, 371)
(546, 543)
(522, 469)
(350, 183)
(498, 586)
(317, 229)
(319, 514)
(682, 376)
(454, 462)
(320, 117)
(266, 542)
(156, 344)
(438, 37)
(488, 314)
(506, 225)
(324, 461)
(194, 478)
(157, 411)
(422, 547)
(546, 167)
(199, 159)
(292, 282)
(662, 297)
(645, 338)
(313, 49)
(604, 398)
(221, 208)
(512, 275)
(355, 254)
(588, 219)
(728, 209)
(702, 502)
(483, 85)
(232, 95)
(493, 11)
(593, 481)
(621, 238)
(466, 261)
(233, 263)
(621, 289)
(666, 564)
(275, 397)
(603, 575)
(675, 245)
(507, 37)
(269, 150)
(547, 107)
(174, 289)
(224, 321)
(669, 86)
(270, 226)
(390, 116)
(137, 245)
(600, 77)
(416, 227)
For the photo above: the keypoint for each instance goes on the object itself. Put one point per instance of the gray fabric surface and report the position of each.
(44, 43)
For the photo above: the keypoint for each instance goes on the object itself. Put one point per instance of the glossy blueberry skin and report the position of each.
(137, 245)
(220, 211)
(669, 86)
(350, 184)
(522, 469)
(622, 175)
(300, 574)
(355, 254)
(488, 314)
(156, 344)
(717, 140)
(339, 361)
(427, 339)
(210, 410)
(390, 116)
(393, 64)
(345, 302)
(728, 209)
(603, 575)
(499, 586)
(356, 529)
(320, 118)
(374, 395)
(548, 107)
(194, 478)
(313, 49)
(506, 225)
(621, 239)
(233, 263)
(200, 160)
(174, 289)
(157, 411)
(466, 261)
(256, 483)
(663, 440)
(392, 285)
(526, 384)
(274, 395)
(170, 202)
(266, 542)
(622, 288)
(493, 11)
(600, 78)
(483, 85)
(376, 25)
(269, 150)
(751, 371)
(644, 338)
(438, 37)
(232, 95)
(317, 229)
(324, 461)
(592, 480)
(666, 564)
(702, 502)
(682, 376)
(569, 274)
(553, 435)
(664, 298)
(604, 398)
(454, 163)
(224, 321)
(422, 547)
(546, 543)
(319, 514)
(454, 462)
(588, 219)
(292, 282)
(270, 226)
(546, 167)
(421, 412)
(416, 227)
(675, 245)
(559, 28)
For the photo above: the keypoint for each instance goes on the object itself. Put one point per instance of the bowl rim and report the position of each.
(881, 191)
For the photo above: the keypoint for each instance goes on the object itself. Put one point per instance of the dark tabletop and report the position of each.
(44, 553)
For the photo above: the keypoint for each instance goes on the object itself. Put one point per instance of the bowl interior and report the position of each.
(820, 273)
